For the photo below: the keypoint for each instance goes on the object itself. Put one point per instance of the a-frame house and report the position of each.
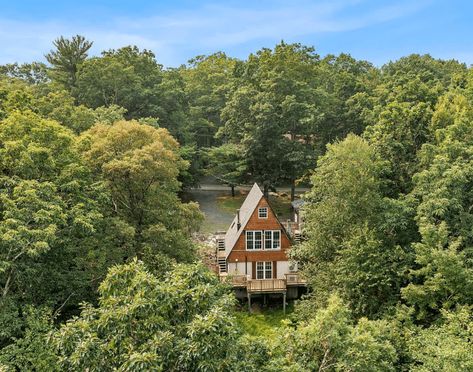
(254, 250)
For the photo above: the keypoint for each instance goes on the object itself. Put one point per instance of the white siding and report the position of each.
(232, 268)
(283, 268)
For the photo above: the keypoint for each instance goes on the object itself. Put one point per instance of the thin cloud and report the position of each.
(210, 27)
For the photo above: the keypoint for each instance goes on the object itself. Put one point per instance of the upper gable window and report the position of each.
(263, 212)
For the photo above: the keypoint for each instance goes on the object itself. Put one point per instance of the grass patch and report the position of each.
(281, 205)
(265, 323)
(230, 204)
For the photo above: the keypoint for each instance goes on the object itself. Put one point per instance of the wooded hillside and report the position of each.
(98, 268)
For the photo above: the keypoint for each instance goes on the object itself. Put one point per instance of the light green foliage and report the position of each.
(350, 246)
(267, 324)
(60, 106)
(140, 165)
(48, 204)
(181, 323)
(446, 346)
(331, 342)
(57, 105)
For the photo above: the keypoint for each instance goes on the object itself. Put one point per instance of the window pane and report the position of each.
(268, 266)
(268, 241)
(259, 270)
(263, 212)
(249, 240)
(276, 239)
(258, 240)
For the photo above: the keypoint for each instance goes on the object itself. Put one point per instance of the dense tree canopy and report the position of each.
(98, 263)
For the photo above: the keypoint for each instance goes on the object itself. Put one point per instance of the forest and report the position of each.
(99, 270)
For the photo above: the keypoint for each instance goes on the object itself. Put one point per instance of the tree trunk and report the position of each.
(266, 191)
(233, 190)
(293, 190)
(7, 286)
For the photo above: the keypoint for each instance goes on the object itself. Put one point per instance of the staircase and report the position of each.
(222, 265)
(221, 259)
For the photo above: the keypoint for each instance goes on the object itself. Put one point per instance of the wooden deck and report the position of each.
(267, 286)
(264, 285)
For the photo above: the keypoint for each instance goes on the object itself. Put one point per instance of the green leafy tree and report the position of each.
(208, 82)
(400, 110)
(181, 323)
(227, 165)
(355, 237)
(66, 59)
(49, 205)
(33, 73)
(445, 346)
(443, 276)
(274, 105)
(331, 342)
(140, 165)
(126, 77)
(33, 351)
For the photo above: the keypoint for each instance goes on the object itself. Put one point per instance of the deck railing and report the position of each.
(263, 285)
(294, 279)
(266, 285)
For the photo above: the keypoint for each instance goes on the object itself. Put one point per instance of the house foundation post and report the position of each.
(284, 302)
(249, 302)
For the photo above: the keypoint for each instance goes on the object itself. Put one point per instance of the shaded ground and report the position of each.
(219, 207)
(216, 217)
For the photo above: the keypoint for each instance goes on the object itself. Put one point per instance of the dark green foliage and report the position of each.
(66, 59)
(126, 77)
(33, 351)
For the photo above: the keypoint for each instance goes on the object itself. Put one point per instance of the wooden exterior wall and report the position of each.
(239, 251)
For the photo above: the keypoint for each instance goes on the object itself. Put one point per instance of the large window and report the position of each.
(257, 239)
(254, 240)
(272, 239)
(264, 270)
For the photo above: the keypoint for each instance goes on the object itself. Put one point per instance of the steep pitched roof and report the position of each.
(246, 210)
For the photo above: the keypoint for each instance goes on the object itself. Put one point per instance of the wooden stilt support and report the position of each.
(264, 300)
(284, 302)
(249, 302)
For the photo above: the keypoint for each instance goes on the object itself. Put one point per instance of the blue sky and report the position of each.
(378, 31)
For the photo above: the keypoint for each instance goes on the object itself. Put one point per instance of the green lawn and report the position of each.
(264, 323)
(280, 204)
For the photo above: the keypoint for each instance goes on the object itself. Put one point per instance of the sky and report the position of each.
(377, 31)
